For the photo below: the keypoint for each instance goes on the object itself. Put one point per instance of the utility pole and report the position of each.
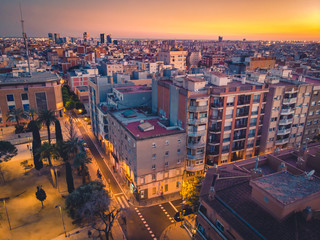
(24, 35)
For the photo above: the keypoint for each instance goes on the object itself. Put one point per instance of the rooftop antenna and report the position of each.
(24, 35)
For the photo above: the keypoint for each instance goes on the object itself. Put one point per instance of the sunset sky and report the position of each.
(175, 19)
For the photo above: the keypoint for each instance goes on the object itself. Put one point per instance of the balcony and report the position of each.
(215, 129)
(195, 156)
(287, 111)
(217, 105)
(193, 167)
(197, 121)
(244, 125)
(254, 113)
(291, 91)
(283, 131)
(237, 137)
(242, 114)
(197, 133)
(237, 148)
(289, 100)
(198, 108)
(196, 145)
(285, 121)
(282, 141)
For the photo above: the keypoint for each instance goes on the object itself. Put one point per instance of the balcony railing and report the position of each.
(198, 121)
(197, 133)
(195, 156)
(198, 108)
(217, 105)
(244, 125)
(289, 100)
(243, 102)
(193, 167)
(196, 144)
(282, 141)
(215, 129)
(283, 131)
(287, 111)
(285, 121)
(237, 137)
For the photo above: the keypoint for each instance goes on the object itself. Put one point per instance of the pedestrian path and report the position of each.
(122, 201)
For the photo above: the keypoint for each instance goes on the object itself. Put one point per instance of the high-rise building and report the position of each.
(85, 36)
(220, 38)
(57, 38)
(109, 39)
(50, 36)
(102, 38)
(175, 58)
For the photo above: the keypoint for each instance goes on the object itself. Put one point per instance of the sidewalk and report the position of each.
(121, 179)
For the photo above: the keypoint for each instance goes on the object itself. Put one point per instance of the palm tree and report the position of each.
(80, 161)
(47, 117)
(32, 113)
(73, 145)
(45, 151)
(15, 115)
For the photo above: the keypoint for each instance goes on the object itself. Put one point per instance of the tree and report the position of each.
(36, 144)
(190, 192)
(73, 145)
(69, 177)
(80, 161)
(32, 113)
(45, 151)
(15, 115)
(70, 105)
(59, 137)
(41, 194)
(89, 204)
(7, 151)
(47, 117)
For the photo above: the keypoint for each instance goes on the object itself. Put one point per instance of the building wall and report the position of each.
(263, 63)
(312, 126)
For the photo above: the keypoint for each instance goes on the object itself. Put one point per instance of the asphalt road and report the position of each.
(138, 223)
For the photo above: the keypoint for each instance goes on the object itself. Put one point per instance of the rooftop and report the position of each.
(133, 89)
(291, 189)
(37, 77)
(142, 125)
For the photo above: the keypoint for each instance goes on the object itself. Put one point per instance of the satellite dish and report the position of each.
(309, 175)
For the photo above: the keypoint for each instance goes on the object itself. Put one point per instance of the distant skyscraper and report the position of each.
(109, 40)
(57, 37)
(50, 36)
(220, 38)
(85, 36)
(102, 38)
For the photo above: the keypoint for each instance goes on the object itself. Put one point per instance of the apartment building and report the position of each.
(80, 77)
(312, 127)
(185, 103)
(285, 114)
(108, 69)
(148, 151)
(40, 91)
(175, 58)
(235, 119)
(261, 63)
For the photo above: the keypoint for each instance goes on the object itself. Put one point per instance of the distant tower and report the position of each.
(102, 38)
(109, 40)
(57, 37)
(50, 36)
(24, 35)
(220, 38)
(85, 36)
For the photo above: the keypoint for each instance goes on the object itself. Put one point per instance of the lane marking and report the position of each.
(174, 208)
(117, 194)
(125, 201)
(120, 201)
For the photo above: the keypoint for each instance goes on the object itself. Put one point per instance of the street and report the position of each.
(136, 222)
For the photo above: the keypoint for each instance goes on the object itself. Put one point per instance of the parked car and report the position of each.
(186, 211)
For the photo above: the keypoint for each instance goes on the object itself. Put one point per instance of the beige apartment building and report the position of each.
(148, 152)
(175, 58)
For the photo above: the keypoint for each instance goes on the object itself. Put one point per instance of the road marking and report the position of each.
(117, 194)
(174, 208)
(142, 218)
(160, 205)
(150, 232)
(172, 221)
(144, 222)
(120, 202)
(152, 235)
(125, 201)
(146, 225)
(148, 228)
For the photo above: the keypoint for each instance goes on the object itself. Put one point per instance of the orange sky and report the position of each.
(203, 19)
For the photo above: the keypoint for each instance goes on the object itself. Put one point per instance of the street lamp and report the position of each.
(5, 206)
(64, 228)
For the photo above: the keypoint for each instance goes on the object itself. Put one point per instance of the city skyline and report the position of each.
(298, 20)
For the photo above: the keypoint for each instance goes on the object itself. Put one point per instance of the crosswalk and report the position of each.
(122, 201)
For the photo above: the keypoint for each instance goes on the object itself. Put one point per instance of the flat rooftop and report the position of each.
(133, 118)
(37, 77)
(291, 189)
(133, 89)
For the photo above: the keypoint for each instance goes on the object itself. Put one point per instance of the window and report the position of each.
(301, 124)
(311, 113)
(153, 166)
(41, 100)
(315, 121)
(166, 188)
(154, 156)
(154, 145)
(307, 94)
(0, 119)
(10, 98)
(178, 151)
(166, 164)
(142, 193)
(153, 176)
(24, 96)
(272, 129)
(309, 123)
(319, 103)
(295, 125)
(12, 107)
(167, 142)
(313, 103)
(177, 184)
(167, 153)
(154, 191)
(220, 225)
(179, 140)
(274, 119)
(142, 180)
(318, 112)
(26, 107)
(179, 161)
